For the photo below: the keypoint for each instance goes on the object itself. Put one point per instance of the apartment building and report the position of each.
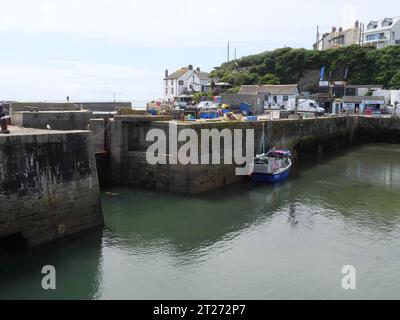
(381, 33)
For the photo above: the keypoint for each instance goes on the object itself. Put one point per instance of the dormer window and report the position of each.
(372, 25)
(387, 22)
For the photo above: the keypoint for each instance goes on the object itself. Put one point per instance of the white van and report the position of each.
(205, 105)
(305, 106)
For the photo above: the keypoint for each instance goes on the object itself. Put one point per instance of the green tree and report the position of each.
(197, 97)
(366, 65)
(253, 78)
(233, 90)
(269, 78)
(395, 82)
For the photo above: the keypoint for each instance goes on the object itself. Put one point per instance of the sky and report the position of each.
(95, 49)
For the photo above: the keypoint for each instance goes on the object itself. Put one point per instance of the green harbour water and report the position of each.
(288, 241)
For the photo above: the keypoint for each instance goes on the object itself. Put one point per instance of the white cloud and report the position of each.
(251, 26)
(349, 15)
(153, 23)
(177, 23)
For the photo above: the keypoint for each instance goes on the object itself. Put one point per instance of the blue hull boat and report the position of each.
(272, 167)
(270, 178)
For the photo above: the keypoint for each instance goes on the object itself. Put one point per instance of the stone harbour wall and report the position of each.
(57, 120)
(41, 106)
(48, 186)
(103, 106)
(307, 138)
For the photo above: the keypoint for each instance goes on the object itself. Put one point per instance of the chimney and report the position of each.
(198, 69)
(166, 73)
(334, 29)
(340, 29)
(190, 67)
(357, 24)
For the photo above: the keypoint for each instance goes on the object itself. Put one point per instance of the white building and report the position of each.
(279, 95)
(184, 81)
(358, 104)
(382, 33)
(391, 96)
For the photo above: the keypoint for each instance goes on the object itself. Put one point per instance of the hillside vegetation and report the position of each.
(286, 66)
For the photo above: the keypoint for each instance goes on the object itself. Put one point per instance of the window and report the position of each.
(275, 99)
(172, 82)
(387, 22)
(181, 83)
(166, 90)
(285, 98)
(375, 36)
(338, 40)
(372, 25)
(172, 90)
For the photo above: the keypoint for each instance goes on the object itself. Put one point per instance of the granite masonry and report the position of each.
(308, 138)
(57, 120)
(48, 184)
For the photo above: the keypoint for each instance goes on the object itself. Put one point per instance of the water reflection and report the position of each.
(76, 261)
(246, 241)
(143, 220)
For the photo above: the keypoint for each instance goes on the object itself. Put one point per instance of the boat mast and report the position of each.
(263, 139)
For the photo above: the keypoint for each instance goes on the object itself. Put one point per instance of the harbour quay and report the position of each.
(49, 187)
(127, 148)
(51, 179)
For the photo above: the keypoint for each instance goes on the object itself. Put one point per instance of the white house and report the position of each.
(184, 81)
(279, 94)
(382, 33)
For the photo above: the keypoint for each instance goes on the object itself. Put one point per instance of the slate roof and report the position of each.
(203, 75)
(360, 99)
(366, 86)
(280, 89)
(177, 74)
(379, 26)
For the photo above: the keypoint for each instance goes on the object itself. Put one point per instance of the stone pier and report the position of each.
(48, 184)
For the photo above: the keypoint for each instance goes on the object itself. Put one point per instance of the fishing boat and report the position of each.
(273, 166)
